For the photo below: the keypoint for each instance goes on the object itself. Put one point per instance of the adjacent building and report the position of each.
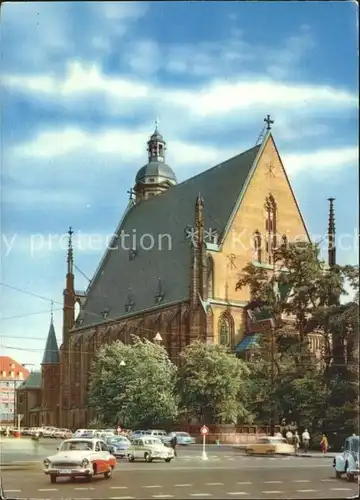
(12, 375)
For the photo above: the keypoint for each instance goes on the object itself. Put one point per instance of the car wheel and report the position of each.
(53, 479)
(337, 474)
(350, 477)
(147, 458)
(269, 452)
(167, 460)
(249, 452)
(131, 458)
(108, 474)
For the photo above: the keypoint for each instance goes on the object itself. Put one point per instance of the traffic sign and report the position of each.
(204, 430)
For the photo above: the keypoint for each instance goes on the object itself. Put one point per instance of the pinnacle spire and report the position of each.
(331, 234)
(51, 353)
(70, 256)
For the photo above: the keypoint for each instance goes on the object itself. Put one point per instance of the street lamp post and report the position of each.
(272, 375)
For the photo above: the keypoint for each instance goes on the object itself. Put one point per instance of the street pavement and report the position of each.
(221, 476)
(26, 450)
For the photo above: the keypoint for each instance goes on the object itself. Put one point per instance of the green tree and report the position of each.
(303, 297)
(211, 383)
(133, 385)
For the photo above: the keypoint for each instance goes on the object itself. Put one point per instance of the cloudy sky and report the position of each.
(83, 85)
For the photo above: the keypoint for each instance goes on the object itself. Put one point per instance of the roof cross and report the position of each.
(131, 193)
(268, 122)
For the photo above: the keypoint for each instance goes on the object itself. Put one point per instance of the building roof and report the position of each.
(157, 169)
(165, 217)
(51, 353)
(247, 343)
(32, 382)
(9, 365)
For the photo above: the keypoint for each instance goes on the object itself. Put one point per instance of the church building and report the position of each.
(171, 269)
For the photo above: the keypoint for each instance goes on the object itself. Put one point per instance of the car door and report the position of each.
(107, 457)
(135, 448)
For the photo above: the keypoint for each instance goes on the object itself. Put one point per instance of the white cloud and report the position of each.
(322, 160)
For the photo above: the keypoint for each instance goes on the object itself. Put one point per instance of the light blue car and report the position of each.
(347, 462)
(183, 438)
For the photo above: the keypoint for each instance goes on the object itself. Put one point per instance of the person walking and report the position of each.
(289, 437)
(305, 438)
(296, 442)
(324, 445)
(173, 444)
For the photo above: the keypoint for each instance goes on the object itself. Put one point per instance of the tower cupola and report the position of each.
(156, 176)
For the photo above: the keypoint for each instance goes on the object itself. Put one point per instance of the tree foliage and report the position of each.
(303, 296)
(211, 384)
(133, 385)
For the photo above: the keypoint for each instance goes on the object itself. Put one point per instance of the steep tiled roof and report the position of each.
(51, 353)
(9, 365)
(32, 382)
(166, 214)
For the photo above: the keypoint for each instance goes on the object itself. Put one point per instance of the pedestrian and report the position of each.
(173, 444)
(296, 442)
(289, 437)
(324, 445)
(305, 440)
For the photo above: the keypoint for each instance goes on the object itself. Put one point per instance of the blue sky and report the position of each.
(83, 84)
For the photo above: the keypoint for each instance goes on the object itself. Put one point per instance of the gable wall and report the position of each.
(251, 217)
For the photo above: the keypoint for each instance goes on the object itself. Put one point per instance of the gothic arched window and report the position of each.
(210, 277)
(257, 246)
(226, 329)
(270, 226)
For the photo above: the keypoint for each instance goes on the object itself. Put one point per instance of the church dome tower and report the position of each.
(156, 176)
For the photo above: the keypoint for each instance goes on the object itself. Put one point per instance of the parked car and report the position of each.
(160, 434)
(118, 446)
(149, 448)
(182, 438)
(80, 457)
(347, 462)
(270, 445)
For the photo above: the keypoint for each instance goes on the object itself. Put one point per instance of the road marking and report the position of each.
(121, 498)
(244, 482)
(48, 489)
(340, 489)
(237, 493)
(163, 496)
(82, 489)
(214, 484)
(231, 459)
(119, 488)
(272, 482)
(305, 491)
(301, 481)
(13, 491)
(271, 492)
(200, 494)
(182, 485)
(328, 480)
(153, 486)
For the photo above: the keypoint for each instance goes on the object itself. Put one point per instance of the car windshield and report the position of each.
(76, 446)
(278, 440)
(152, 442)
(182, 434)
(120, 439)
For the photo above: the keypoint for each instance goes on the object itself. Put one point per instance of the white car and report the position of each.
(80, 457)
(149, 448)
(348, 461)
